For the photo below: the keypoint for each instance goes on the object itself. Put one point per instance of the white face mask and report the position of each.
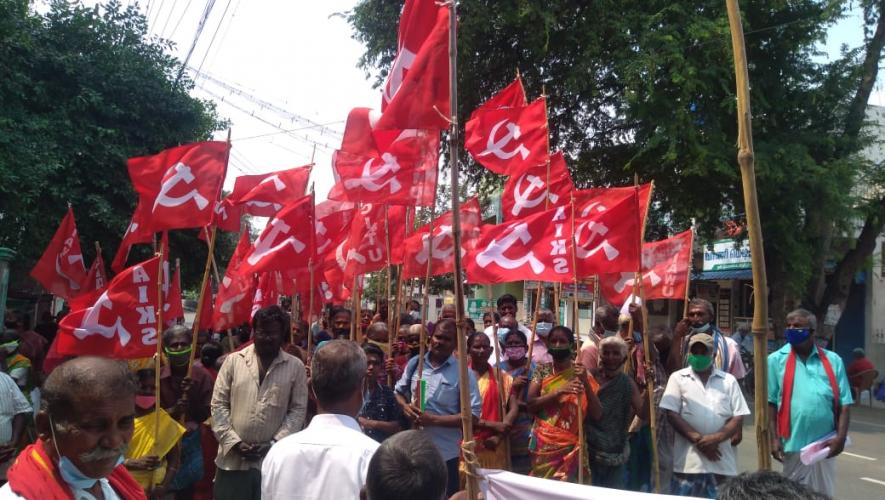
(543, 328)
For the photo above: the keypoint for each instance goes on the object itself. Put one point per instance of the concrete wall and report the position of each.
(875, 309)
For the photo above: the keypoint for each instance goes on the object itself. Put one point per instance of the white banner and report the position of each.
(502, 485)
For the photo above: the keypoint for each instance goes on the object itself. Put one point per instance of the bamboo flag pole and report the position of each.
(688, 272)
(575, 319)
(534, 323)
(646, 347)
(426, 296)
(196, 326)
(745, 158)
(159, 353)
(498, 375)
(463, 385)
(356, 319)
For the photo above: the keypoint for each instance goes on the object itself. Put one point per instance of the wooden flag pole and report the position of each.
(534, 322)
(688, 272)
(498, 375)
(425, 301)
(468, 445)
(196, 326)
(745, 158)
(355, 303)
(159, 354)
(575, 319)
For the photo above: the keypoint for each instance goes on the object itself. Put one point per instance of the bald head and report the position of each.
(508, 321)
(87, 378)
(378, 331)
(606, 319)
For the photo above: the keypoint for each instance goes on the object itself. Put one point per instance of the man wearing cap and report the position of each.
(706, 408)
(808, 398)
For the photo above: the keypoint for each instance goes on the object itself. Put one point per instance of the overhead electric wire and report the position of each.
(158, 13)
(177, 24)
(221, 99)
(224, 33)
(169, 17)
(202, 24)
(283, 131)
(214, 34)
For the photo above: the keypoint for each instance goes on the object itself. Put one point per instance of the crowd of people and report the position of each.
(287, 409)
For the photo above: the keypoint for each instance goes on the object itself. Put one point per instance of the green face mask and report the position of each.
(178, 357)
(700, 362)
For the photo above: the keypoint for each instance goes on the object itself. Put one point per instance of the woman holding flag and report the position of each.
(555, 392)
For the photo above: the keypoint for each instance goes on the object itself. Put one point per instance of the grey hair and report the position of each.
(702, 303)
(616, 341)
(86, 376)
(175, 330)
(337, 370)
(804, 314)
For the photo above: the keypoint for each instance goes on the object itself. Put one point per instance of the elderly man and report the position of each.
(405, 467)
(330, 458)
(14, 414)
(605, 325)
(808, 397)
(188, 397)
(727, 352)
(441, 417)
(84, 428)
(260, 397)
(706, 407)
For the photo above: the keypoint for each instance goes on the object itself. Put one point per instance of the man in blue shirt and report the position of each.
(441, 417)
(816, 381)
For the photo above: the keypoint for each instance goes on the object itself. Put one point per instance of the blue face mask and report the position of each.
(796, 336)
(502, 334)
(543, 328)
(702, 329)
(609, 333)
(69, 472)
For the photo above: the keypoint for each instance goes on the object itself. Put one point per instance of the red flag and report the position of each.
(365, 250)
(332, 217)
(416, 94)
(525, 194)
(396, 167)
(540, 246)
(172, 307)
(233, 302)
(178, 187)
(285, 243)
(510, 140)
(665, 266)
(266, 293)
(95, 283)
(227, 217)
(417, 246)
(597, 200)
(61, 270)
(137, 232)
(511, 96)
(206, 310)
(264, 195)
(123, 321)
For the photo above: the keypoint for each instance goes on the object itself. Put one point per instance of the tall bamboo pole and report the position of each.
(498, 374)
(576, 318)
(745, 158)
(425, 300)
(463, 385)
(159, 354)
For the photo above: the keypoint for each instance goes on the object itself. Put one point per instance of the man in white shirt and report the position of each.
(706, 408)
(14, 413)
(330, 458)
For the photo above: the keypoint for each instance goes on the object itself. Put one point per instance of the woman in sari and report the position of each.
(153, 457)
(491, 430)
(518, 366)
(554, 394)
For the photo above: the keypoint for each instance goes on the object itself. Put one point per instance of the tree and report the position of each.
(83, 90)
(647, 87)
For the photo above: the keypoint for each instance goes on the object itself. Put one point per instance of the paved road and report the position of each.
(860, 470)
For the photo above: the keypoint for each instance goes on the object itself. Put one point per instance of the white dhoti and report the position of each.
(819, 476)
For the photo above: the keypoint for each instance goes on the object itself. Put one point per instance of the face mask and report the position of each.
(145, 401)
(69, 472)
(216, 337)
(341, 332)
(178, 358)
(502, 334)
(702, 328)
(10, 347)
(796, 336)
(515, 352)
(609, 333)
(700, 362)
(542, 329)
(559, 353)
(415, 314)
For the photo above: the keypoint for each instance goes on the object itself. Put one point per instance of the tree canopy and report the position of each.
(83, 90)
(647, 87)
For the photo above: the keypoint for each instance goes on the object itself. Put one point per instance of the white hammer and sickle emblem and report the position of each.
(522, 196)
(277, 183)
(496, 147)
(182, 174)
(227, 306)
(369, 179)
(627, 279)
(596, 229)
(494, 252)
(593, 205)
(91, 326)
(439, 253)
(264, 246)
(401, 64)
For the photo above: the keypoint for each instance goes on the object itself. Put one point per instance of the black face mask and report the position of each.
(559, 354)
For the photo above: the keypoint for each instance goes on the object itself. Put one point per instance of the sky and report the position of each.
(299, 56)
